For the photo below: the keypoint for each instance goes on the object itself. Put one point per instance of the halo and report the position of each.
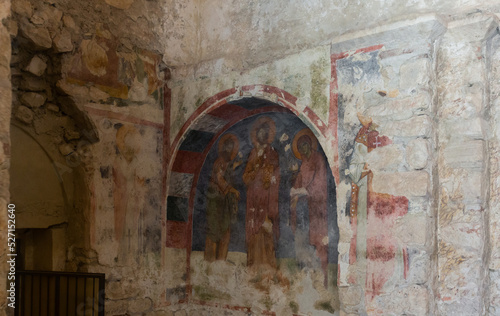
(122, 133)
(302, 132)
(261, 121)
(236, 143)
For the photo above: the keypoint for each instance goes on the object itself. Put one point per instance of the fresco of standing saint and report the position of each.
(222, 200)
(311, 183)
(262, 177)
(373, 247)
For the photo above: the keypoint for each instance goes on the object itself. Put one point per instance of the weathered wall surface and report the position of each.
(385, 84)
(405, 112)
(419, 91)
(463, 213)
(245, 34)
(88, 108)
(493, 301)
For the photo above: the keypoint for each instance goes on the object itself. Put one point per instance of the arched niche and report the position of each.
(230, 280)
(51, 198)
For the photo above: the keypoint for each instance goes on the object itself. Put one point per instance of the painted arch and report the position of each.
(194, 151)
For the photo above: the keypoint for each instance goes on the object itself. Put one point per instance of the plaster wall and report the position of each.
(407, 79)
(427, 84)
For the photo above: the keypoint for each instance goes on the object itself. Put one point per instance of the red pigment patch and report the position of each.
(176, 234)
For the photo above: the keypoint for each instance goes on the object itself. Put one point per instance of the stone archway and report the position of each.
(193, 150)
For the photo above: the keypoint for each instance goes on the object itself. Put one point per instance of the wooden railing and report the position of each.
(48, 293)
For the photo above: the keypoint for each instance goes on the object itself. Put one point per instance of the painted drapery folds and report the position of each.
(262, 176)
(264, 209)
(310, 184)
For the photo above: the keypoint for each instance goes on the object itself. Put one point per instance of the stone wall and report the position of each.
(426, 88)
(405, 112)
(464, 68)
(88, 101)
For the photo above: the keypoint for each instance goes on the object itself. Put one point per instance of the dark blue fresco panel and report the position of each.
(177, 209)
(196, 141)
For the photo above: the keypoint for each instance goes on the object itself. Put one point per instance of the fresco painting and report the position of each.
(135, 193)
(311, 184)
(264, 209)
(222, 200)
(373, 247)
(262, 177)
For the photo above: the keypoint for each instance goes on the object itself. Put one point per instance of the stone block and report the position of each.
(69, 22)
(181, 312)
(413, 183)
(411, 229)
(36, 66)
(22, 7)
(52, 107)
(386, 158)
(399, 109)
(460, 273)
(140, 305)
(414, 127)
(116, 307)
(72, 89)
(39, 36)
(33, 100)
(411, 300)
(417, 153)
(66, 149)
(51, 123)
(414, 74)
(38, 18)
(494, 285)
(460, 153)
(468, 235)
(420, 265)
(70, 134)
(13, 27)
(30, 83)
(24, 114)
(123, 289)
(62, 42)
(472, 188)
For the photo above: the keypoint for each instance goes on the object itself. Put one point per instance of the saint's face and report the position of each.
(263, 134)
(305, 149)
(227, 149)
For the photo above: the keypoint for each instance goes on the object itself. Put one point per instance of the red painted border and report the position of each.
(176, 234)
(334, 103)
(288, 101)
(334, 110)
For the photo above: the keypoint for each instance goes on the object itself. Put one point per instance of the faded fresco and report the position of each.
(265, 212)
(129, 175)
(125, 76)
(372, 216)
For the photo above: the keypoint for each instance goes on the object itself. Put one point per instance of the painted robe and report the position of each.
(129, 195)
(262, 177)
(372, 217)
(222, 207)
(312, 178)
